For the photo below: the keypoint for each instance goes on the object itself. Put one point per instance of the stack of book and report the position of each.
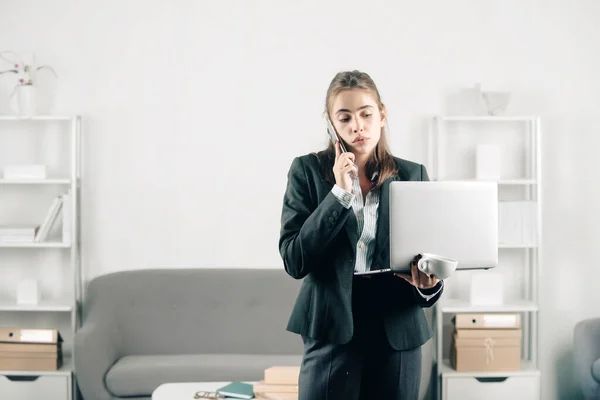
(280, 383)
(30, 349)
(486, 342)
(17, 234)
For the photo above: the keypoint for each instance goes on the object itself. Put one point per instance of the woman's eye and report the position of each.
(368, 115)
(345, 120)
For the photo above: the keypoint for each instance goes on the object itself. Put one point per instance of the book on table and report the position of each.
(238, 390)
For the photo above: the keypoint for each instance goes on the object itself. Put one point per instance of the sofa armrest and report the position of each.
(96, 350)
(586, 349)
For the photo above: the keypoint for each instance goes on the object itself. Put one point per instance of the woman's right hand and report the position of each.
(344, 168)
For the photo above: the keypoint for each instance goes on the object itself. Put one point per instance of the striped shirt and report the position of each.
(366, 217)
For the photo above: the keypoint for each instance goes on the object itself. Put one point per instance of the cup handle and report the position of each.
(423, 265)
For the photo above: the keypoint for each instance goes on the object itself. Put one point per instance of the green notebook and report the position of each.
(238, 390)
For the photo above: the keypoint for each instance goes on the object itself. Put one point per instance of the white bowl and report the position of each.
(496, 102)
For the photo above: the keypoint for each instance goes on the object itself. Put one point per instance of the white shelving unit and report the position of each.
(451, 156)
(27, 141)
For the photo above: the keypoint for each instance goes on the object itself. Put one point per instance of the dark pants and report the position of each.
(367, 367)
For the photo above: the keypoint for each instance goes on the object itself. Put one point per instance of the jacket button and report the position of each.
(335, 213)
(331, 219)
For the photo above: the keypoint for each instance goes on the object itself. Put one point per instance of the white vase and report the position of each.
(23, 102)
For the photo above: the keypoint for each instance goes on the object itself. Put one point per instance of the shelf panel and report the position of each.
(65, 370)
(487, 118)
(505, 182)
(39, 245)
(463, 306)
(50, 181)
(527, 369)
(36, 118)
(517, 246)
(43, 306)
(508, 182)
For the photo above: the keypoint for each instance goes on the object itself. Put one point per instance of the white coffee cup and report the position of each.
(439, 266)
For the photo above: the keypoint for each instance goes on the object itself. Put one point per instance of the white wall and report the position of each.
(194, 110)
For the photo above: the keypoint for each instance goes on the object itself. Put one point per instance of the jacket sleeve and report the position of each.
(307, 228)
(432, 295)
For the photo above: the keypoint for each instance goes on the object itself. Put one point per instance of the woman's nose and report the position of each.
(358, 127)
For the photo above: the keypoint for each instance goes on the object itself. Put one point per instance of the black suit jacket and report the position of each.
(318, 242)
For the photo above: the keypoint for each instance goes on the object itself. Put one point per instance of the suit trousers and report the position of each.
(367, 367)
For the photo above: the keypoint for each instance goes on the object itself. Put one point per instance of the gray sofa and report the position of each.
(586, 349)
(143, 328)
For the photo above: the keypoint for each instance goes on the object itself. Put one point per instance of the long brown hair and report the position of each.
(381, 160)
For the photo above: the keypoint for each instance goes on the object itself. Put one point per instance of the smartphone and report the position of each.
(334, 138)
(333, 135)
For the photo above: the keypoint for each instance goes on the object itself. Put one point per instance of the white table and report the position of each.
(185, 390)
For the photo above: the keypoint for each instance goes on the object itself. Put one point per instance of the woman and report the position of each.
(362, 334)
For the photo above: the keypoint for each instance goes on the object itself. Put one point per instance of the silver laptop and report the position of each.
(454, 219)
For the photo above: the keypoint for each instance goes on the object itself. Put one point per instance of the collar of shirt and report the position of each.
(374, 178)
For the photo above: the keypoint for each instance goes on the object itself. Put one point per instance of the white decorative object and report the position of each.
(470, 101)
(487, 288)
(488, 163)
(496, 102)
(23, 102)
(27, 292)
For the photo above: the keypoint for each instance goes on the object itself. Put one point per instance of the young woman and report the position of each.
(362, 334)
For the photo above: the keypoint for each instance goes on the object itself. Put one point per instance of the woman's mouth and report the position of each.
(360, 139)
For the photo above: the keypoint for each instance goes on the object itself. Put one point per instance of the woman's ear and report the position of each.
(383, 113)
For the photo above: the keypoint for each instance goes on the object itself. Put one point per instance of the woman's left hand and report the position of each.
(417, 277)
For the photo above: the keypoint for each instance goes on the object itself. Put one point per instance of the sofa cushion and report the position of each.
(141, 375)
(199, 311)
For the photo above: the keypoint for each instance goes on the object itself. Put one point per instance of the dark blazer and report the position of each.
(318, 244)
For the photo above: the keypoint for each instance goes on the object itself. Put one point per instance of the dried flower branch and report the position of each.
(25, 72)
(41, 67)
(16, 63)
